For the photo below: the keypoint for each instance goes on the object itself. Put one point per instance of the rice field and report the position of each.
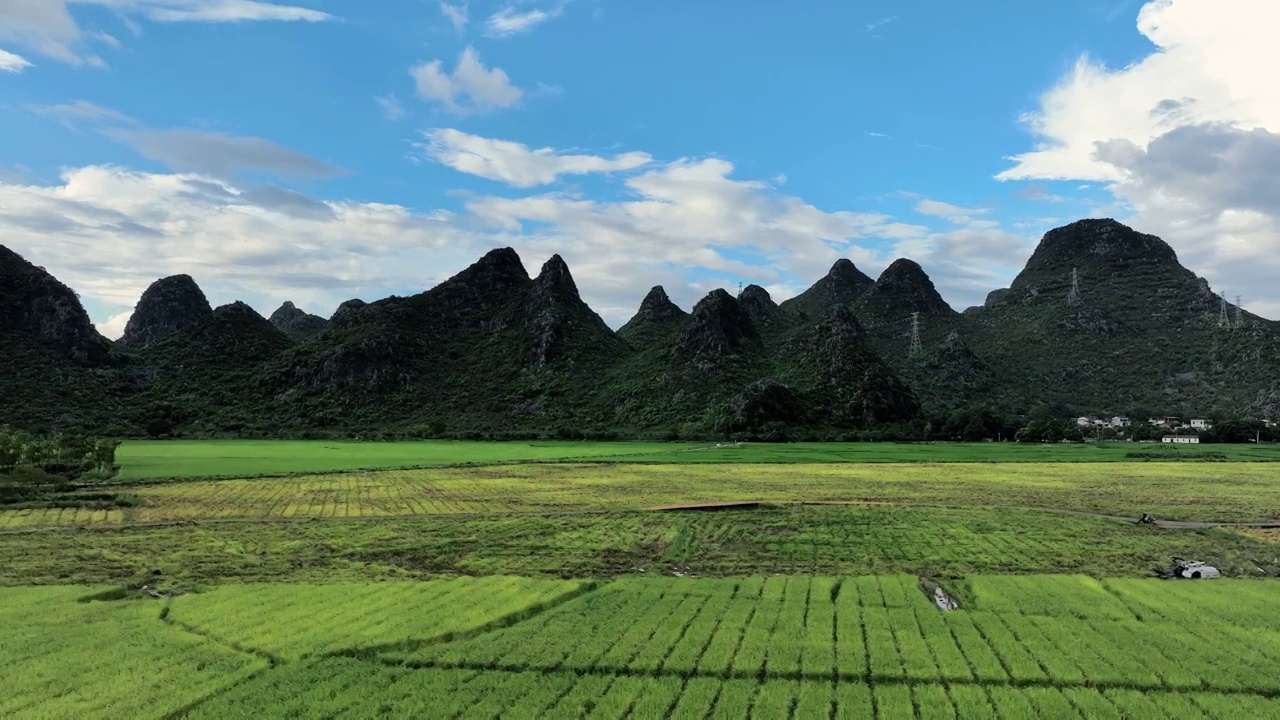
(559, 586)
(751, 647)
(151, 459)
(1233, 492)
(793, 540)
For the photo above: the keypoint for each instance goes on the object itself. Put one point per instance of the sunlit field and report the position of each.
(141, 459)
(620, 580)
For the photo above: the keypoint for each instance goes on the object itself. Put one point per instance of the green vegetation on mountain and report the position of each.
(495, 352)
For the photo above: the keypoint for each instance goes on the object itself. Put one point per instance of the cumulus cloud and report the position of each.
(689, 224)
(1185, 139)
(11, 63)
(48, 28)
(967, 263)
(517, 164)
(470, 88)
(509, 21)
(222, 155)
(110, 232)
(1212, 64)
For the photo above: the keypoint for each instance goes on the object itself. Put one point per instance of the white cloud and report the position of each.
(79, 111)
(470, 88)
(109, 232)
(1213, 63)
(967, 263)
(509, 21)
(390, 106)
(877, 134)
(11, 63)
(517, 164)
(1186, 139)
(687, 224)
(222, 155)
(457, 14)
(113, 327)
(1038, 193)
(48, 27)
(949, 212)
(873, 26)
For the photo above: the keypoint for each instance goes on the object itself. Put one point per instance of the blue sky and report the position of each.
(320, 150)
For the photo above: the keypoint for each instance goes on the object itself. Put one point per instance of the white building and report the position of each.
(1181, 439)
(1201, 424)
(1120, 422)
(1083, 422)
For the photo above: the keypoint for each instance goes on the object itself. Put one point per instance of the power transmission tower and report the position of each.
(1239, 314)
(1224, 321)
(1073, 297)
(916, 348)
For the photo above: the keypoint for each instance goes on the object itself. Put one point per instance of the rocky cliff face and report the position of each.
(168, 306)
(43, 311)
(718, 329)
(559, 318)
(292, 321)
(840, 287)
(656, 312)
(347, 311)
(760, 307)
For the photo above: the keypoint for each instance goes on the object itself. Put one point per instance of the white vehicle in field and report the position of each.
(1193, 569)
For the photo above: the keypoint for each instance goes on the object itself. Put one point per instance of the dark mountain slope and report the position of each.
(37, 308)
(656, 321)
(489, 348)
(166, 307)
(208, 375)
(1143, 331)
(886, 311)
(834, 364)
(841, 286)
(55, 369)
(681, 379)
(297, 323)
(746, 365)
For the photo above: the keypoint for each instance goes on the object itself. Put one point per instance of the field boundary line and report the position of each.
(870, 679)
(166, 617)
(272, 661)
(513, 618)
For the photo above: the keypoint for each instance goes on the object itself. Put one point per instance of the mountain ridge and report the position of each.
(493, 349)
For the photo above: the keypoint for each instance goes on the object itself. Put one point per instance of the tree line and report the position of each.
(65, 454)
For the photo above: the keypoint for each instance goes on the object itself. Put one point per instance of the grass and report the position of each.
(831, 540)
(166, 459)
(1230, 492)
(150, 459)
(66, 658)
(799, 645)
